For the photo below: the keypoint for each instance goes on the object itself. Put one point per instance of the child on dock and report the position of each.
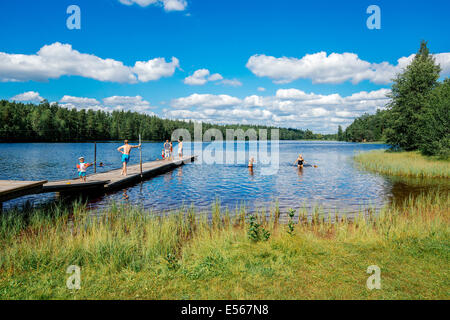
(167, 150)
(180, 148)
(82, 166)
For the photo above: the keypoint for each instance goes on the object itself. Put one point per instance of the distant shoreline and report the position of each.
(161, 141)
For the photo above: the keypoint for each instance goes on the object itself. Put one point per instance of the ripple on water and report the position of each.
(334, 184)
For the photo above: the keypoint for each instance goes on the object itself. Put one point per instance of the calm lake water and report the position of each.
(336, 183)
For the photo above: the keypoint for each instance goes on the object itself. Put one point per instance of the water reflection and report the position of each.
(336, 183)
(403, 189)
(180, 174)
(300, 173)
(125, 196)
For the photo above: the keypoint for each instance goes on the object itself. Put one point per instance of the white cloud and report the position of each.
(30, 96)
(169, 5)
(79, 100)
(231, 82)
(205, 101)
(295, 94)
(155, 69)
(444, 60)
(202, 76)
(137, 103)
(333, 68)
(125, 103)
(261, 89)
(71, 102)
(288, 108)
(57, 60)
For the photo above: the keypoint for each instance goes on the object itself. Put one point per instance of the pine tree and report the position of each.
(436, 129)
(410, 93)
(340, 134)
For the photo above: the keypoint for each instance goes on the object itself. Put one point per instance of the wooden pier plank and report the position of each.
(10, 189)
(99, 182)
(112, 179)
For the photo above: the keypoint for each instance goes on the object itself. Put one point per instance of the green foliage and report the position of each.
(255, 231)
(52, 123)
(340, 134)
(418, 116)
(123, 254)
(410, 95)
(408, 164)
(435, 131)
(367, 128)
(171, 260)
(290, 225)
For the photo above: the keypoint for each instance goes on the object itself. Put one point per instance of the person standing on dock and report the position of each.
(167, 150)
(82, 166)
(180, 149)
(126, 150)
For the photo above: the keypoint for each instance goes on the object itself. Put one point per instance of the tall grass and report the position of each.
(126, 253)
(409, 164)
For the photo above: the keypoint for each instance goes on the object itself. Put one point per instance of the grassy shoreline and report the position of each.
(408, 164)
(126, 253)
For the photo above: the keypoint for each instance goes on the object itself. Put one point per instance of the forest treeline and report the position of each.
(46, 122)
(418, 116)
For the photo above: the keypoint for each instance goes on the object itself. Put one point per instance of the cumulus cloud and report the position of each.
(155, 69)
(444, 60)
(202, 76)
(57, 60)
(231, 82)
(287, 108)
(205, 101)
(29, 96)
(169, 5)
(137, 103)
(79, 100)
(295, 94)
(332, 68)
(125, 103)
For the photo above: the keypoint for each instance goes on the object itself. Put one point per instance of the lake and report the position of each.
(336, 184)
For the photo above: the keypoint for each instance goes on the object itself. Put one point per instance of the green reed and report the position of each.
(408, 164)
(128, 252)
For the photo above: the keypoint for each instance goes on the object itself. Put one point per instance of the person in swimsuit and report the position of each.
(125, 150)
(251, 162)
(180, 148)
(300, 161)
(82, 166)
(171, 150)
(167, 150)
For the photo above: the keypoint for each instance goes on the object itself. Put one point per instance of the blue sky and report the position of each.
(304, 64)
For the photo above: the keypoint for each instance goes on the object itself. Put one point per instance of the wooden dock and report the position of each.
(10, 189)
(97, 182)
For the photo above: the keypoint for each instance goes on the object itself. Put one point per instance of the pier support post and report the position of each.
(95, 157)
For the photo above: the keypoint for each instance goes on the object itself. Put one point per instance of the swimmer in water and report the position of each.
(250, 162)
(300, 161)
